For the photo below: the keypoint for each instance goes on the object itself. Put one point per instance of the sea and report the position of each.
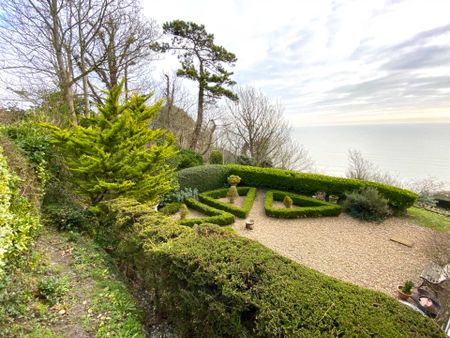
(409, 152)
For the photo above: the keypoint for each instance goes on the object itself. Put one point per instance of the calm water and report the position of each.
(408, 151)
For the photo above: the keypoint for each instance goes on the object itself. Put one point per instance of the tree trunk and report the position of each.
(200, 107)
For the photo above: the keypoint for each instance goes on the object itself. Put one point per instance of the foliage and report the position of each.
(204, 178)
(233, 180)
(305, 206)
(170, 208)
(425, 200)
(212, 283)
(287, 201)
(232, 193)
(34, 141)
(216, 157)
(115, 153)
(245, 160)
(18, 221)
(187, 158)
(308, 184)
(215, 216)
(430, 219)
(210, 198)
(407, 287)
(178, 195)
(366, 204)
(184, 211)
(53, 288)
(201, 61)
(67, 216)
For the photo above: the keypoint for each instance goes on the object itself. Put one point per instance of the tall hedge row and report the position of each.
(309, 184)
(212, 283)
(204, 178)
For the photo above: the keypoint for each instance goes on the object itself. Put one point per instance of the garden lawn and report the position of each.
(430, 219)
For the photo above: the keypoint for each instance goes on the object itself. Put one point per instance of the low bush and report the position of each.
(67, 216)
(216, 157)
(178, 195)
(215, 216)
(211, 283)
(186, 159)
(203, 178)
(303, 206)
(309, 184)
(210, 198)
(170, 208)
(366, 204)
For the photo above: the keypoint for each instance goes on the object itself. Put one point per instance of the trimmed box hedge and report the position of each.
(215, 216)
(204, 177)
(210, 198)
(212, 283)
(304, 206)
(309, 184)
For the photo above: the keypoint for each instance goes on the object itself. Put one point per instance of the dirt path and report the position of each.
(357, 252)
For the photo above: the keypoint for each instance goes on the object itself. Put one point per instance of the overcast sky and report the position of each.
(333, 62)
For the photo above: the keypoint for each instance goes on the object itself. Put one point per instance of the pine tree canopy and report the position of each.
(116, 153)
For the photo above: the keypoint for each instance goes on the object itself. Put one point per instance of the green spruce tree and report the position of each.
(116, 153)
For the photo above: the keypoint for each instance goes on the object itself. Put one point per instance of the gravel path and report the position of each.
(357, 252)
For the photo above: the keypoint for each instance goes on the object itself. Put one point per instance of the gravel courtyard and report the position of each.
(345, 248)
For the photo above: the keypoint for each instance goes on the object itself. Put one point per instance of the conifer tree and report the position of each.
(116, 153)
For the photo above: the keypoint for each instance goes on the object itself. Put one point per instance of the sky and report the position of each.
(333, 62)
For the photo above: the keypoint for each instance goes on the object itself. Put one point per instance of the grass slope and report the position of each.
(430, 219)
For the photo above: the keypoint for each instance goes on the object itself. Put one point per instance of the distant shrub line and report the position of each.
(213, 177)
(303, 206)
(210, 198)
(212, 283)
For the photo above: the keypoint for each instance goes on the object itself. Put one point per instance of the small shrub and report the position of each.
(216, 157)
(183, 211)
(170, 208)
(287, 201)
(178, 195)
(234, 180)
(67, 216)
(407, 287)
(186, 159)
(232, 193)
(203, 178)
(367, 204)
(245, 160)
(53, 288)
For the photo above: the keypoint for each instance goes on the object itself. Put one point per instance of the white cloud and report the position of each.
(306, 53)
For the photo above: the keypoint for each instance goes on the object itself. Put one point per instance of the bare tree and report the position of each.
(255, 127)
(359, 167)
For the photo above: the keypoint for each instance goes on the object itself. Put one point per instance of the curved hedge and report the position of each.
(215, 216)
(210, 198)
(204, 177)
(212, 283)
(309, 184)
(304, 206)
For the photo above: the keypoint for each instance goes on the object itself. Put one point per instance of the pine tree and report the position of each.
(116, 153)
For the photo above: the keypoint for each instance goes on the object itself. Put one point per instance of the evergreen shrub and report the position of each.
(308, 184)
(303, 206)
(211, 198)
(212, 283)
(366, 204)
(216, 157)
(203, 178)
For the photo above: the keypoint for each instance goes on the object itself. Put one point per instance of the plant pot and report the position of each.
(401, 294)
(249, 224)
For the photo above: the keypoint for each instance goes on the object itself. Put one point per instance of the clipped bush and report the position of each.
(366, 204)
(216, 157)
(170, 208)
(210, 198)
(203, 178)
(184, 211)
(186, 159)
(214, 215)
(287, 201)
(304, 206)
(232, 193)
(211, 283)
(308, 184)
(233, 180)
